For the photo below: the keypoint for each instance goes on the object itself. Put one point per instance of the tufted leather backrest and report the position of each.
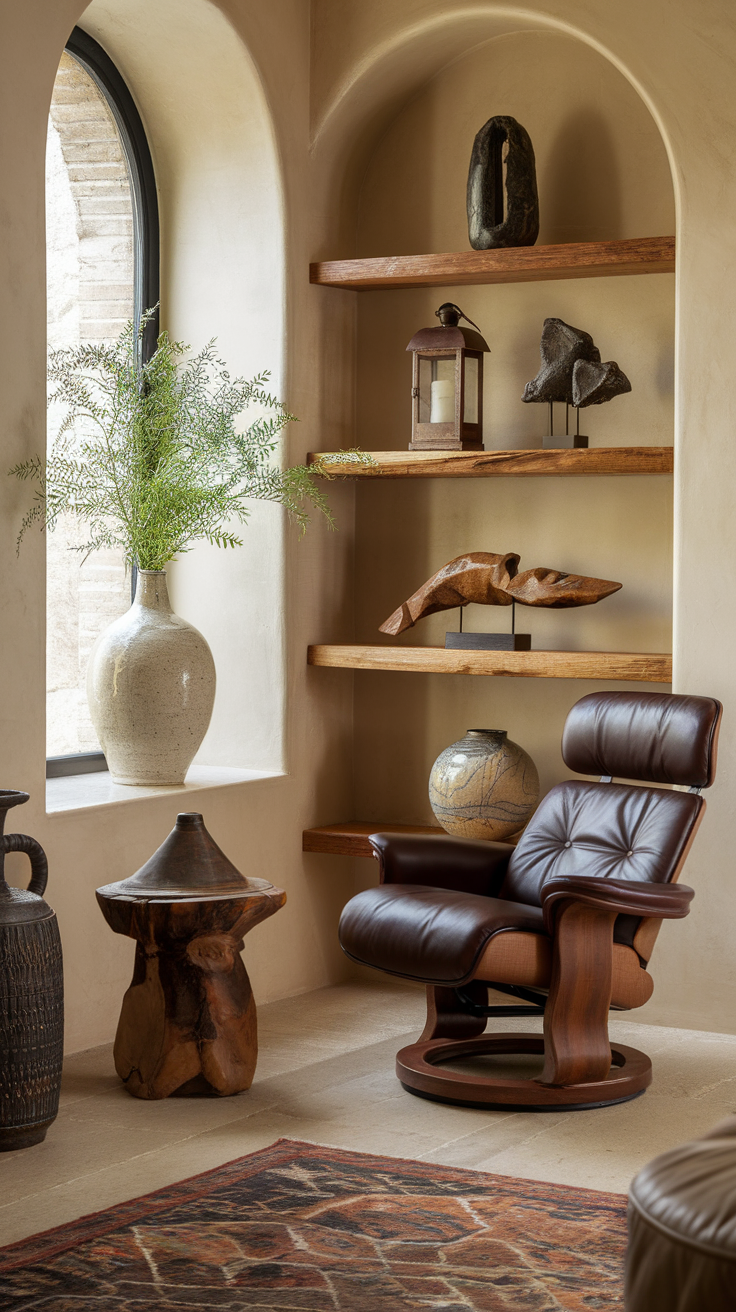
(613, 831)
(620, 831)
(659, 738)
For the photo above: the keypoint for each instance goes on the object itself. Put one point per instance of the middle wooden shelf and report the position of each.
(619, 666)
(534, 462)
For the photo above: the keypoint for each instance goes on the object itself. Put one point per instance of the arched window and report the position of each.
(102, 270)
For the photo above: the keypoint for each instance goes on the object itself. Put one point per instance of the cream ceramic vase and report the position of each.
(151, 688)
(484, 786)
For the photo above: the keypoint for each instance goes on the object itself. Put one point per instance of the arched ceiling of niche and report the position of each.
(351, 112)
(602, 170)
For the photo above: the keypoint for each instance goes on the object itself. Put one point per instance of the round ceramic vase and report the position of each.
(151, 689)
(483, 786)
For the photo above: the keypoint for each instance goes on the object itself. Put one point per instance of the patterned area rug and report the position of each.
(314, 1229)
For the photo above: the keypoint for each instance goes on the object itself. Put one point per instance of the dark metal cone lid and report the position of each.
(187, 864)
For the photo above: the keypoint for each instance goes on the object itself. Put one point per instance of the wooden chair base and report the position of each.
(416, 1067)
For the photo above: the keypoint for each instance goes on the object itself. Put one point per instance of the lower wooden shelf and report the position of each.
(619, 666)
(351, 839)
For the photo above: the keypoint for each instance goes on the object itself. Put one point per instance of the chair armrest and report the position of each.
(627, 897)
(468, 865)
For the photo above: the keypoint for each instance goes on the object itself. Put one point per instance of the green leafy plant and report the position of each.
(149, 456)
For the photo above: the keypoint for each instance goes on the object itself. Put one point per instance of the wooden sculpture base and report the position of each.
(416, 1067)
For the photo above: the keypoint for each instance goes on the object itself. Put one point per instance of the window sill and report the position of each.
(79, 792)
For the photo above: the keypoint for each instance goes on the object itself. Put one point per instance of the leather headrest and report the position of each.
(658, 738)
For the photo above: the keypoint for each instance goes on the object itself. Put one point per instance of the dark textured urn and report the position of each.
(31, 997)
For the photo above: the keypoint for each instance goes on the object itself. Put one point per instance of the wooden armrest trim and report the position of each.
(618, 896)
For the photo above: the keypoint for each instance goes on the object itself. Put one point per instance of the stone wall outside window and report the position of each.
(90, 288)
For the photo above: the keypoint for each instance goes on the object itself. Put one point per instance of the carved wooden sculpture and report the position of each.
(492, 580)
(188, 1021)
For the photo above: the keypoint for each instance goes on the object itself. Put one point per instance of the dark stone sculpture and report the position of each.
(592, 384)
(572, 370)
(31, 997)
(489, 579)
(560, 348)
(487, 226)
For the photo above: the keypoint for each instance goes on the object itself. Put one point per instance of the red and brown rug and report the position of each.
(298, 1226)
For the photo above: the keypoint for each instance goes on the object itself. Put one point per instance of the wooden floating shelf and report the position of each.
(351, 839)
(587, 259)
(609, 460)
(620, 666)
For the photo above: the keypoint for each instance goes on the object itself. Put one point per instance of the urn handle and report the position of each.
(37, 856)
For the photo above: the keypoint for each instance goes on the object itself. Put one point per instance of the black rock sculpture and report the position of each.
(560, 348)
(572, 370)
(592, 384)
(487, 226)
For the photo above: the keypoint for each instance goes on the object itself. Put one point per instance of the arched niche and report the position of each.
(222, 275)
(355, 98)
(603, 172)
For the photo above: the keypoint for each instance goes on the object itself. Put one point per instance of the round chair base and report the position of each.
(416, 1067)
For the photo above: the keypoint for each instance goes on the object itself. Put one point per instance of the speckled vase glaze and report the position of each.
(151, 688)
(483, 786)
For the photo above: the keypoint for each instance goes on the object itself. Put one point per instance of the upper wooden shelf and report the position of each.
(620, 666)
(587, 259)
(497, 464)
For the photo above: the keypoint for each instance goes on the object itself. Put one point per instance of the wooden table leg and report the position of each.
(188, 1020)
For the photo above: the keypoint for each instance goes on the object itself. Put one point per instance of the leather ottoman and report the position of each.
(682, 1228)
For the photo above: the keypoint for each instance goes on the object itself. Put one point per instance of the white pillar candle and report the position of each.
(442, 402)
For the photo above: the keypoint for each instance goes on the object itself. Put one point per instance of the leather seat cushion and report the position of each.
(432, 935)
(682, 1229)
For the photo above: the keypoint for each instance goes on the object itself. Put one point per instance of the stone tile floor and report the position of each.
(326, 1074)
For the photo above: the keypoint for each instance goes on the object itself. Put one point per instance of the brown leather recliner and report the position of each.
(566, 920)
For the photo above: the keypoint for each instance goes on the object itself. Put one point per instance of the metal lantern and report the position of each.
(447, 385)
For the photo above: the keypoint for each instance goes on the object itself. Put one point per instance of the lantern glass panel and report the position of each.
(442, 407)
(425, 388)
(471, 389)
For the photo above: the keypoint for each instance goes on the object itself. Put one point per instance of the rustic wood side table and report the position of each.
(188, 1020)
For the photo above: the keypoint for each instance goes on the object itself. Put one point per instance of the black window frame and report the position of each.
(146, 262)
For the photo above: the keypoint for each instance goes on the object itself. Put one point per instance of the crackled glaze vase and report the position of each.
(151, 689)
(484, 786)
